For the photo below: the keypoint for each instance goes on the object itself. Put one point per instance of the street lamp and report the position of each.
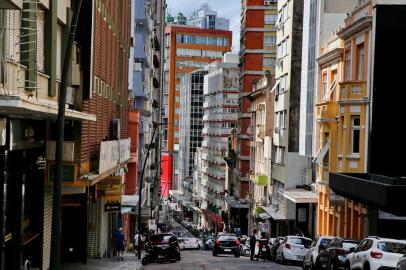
(149, 146)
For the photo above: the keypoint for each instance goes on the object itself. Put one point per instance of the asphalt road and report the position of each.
(203, 260)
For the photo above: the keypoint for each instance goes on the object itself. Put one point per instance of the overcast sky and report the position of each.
(225, 8)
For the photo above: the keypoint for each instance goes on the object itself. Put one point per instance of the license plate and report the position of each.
(263, 249)
(227, 249)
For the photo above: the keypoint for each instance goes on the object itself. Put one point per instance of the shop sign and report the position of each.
(113, 153)
(112, 207)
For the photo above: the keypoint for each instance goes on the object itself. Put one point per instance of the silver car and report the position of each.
(318, 244)
(401, 264)
(293, 249)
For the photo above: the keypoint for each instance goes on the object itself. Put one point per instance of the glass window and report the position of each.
(191, 39)
(212, 41)
(347, 65)
(201, 40)
(355, 136)
(360, 62)
(268, 62)
(270, 18)
(392, 247)
(269, 40)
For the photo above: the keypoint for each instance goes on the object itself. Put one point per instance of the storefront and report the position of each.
(214, 222)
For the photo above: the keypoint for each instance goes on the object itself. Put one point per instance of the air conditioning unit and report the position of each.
(267, 2)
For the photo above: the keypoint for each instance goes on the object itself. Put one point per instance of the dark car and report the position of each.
(162, 247)
(227, 244)
(334, 255)
(401, 264)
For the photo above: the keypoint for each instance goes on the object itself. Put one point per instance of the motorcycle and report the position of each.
(245, 249)
(264, 252)
(162, 253)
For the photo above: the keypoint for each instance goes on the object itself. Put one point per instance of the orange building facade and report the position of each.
(186, 49)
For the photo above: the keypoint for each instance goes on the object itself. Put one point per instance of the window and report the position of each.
(360, 61)
(278, 154)
(269, 40)
(355, 134)
(282, 84)
(270, 18)
(268, 62)
(40, 40)
(285, 11)
(324, 88)
(280, 118)
(347, 65)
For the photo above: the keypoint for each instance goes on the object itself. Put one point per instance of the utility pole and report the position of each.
(56, 203)
(140, 187)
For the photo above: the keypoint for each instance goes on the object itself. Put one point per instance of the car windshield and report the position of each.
(349, 245)
(227, 238)
(392, 247)
(300, 241)
(160, 237)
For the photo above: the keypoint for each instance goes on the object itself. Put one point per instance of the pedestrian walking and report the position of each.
(253, 241)
(137, 242)
(120, 244)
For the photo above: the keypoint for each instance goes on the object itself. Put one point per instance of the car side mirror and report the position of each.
(352, 249)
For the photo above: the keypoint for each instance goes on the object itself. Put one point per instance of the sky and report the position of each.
(229, 9)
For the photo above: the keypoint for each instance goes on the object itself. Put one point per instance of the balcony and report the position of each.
(214, 144)
(216, 131)
(382, 192)
(353, 91)
(211, 103)
(212, 158)
(220, 117)
(215, 173)
(327, 110)
(359, 19)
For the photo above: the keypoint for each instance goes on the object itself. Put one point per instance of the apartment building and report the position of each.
(187, 49)
(261, 132)
(257, 55)
(367, 187)
(30, 78)
(205, 17)
(220, 118)
(293, 202)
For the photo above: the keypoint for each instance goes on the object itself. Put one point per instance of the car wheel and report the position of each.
(245, 252)
(366, 267)
(144, 260)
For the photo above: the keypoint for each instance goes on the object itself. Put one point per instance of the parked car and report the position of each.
(293, 249)
(319, 243)
(227, 244)
(375, 253)
(401, 265)
(189, 243)
(160, 248)
(334, 256)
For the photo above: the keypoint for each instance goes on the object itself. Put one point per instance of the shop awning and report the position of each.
(233, 203)
(321, 154)
(271, 212)
(129, 200)
(300, 196)
(213, 217)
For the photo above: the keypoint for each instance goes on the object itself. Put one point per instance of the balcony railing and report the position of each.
(220, 103)
(353, 90)
(216, 131)
(363, 10)
(213, 158)
(220, 117)
(328, 109)
(215, 173)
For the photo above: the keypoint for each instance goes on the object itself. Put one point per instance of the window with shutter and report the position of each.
(40, 40)
(59, 52)
(13, 25)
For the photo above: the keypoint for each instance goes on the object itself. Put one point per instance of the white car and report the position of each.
(293, 249)
(313, 252)
(375, 253)
(189, 243)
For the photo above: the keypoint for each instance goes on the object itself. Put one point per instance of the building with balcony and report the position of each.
(187, 48)
(31, 74)
(257, 55)
(262, 123)
(220, 89)
(369, 172)
(293, 200)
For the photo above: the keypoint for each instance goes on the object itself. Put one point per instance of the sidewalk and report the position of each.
(130, 263)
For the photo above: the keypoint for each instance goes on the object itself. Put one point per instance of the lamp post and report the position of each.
(156, 125)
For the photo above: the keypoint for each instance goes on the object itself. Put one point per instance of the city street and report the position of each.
(203, 260)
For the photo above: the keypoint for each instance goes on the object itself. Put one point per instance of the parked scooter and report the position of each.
(245, 249)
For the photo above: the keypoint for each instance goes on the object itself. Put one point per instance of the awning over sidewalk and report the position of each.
(213, 217)
(271, 212)
(300, 196)
(233, 203)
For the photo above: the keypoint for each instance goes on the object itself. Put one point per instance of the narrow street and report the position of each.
(203, 260)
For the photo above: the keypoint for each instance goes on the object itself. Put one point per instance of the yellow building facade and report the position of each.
(341, 115)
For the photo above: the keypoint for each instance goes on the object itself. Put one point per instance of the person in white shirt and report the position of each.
(137, 238)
